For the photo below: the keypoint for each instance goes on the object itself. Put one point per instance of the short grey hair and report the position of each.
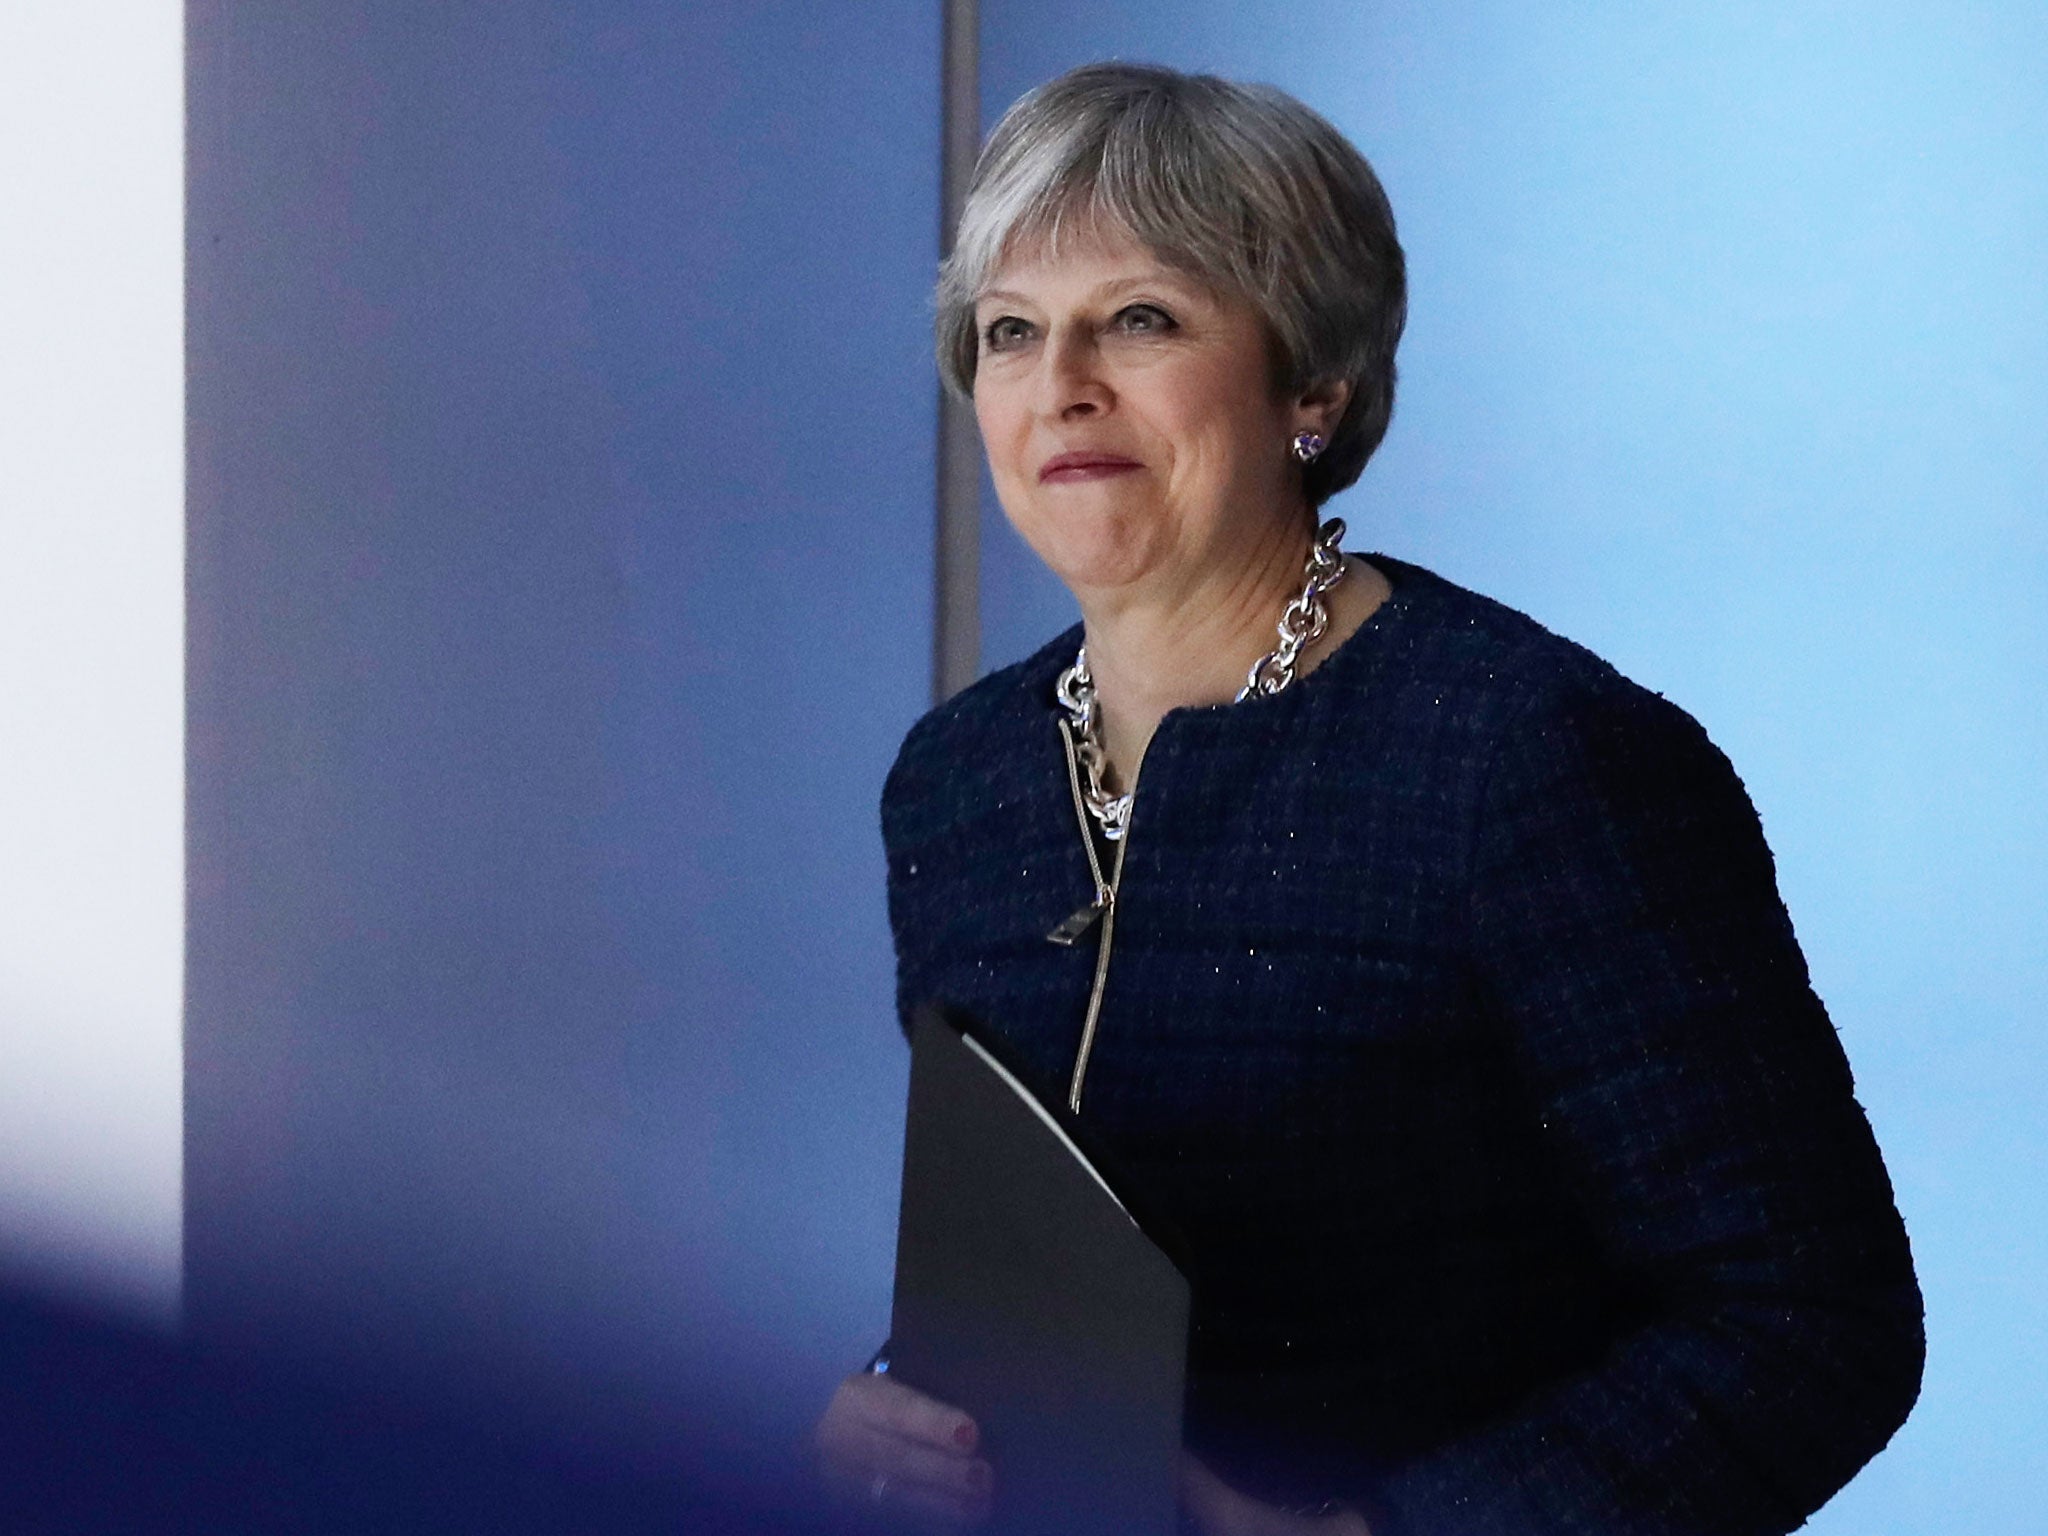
(1240, 186)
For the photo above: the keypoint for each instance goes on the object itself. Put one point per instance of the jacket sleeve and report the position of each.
(1627, 929)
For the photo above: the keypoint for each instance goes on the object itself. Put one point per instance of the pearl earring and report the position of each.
(1307, 445)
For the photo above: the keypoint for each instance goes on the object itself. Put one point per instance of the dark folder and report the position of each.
(1027, 1294)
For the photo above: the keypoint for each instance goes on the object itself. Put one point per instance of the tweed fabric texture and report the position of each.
(1455, 1029)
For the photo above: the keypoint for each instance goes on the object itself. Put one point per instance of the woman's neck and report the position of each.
(1151, 652)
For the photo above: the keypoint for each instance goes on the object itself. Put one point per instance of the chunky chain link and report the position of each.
(1076, 692)
(1302, 623)
(1303, 620)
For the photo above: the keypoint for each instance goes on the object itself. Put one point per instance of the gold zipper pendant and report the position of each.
(1083, 918)
(1076, 923)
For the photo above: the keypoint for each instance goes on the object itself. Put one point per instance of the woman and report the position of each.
(1430, 975)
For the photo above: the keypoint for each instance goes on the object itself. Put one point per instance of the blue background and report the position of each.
(561, 477)
(561, 517)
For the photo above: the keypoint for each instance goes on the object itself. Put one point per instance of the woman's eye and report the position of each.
(1005, 331)
(1144, 319)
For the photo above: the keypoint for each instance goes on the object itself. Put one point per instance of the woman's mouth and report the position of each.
(1068, 467)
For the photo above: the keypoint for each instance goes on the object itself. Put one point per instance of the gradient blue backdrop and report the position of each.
(561, 478)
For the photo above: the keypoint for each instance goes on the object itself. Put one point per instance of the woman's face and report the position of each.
(1130, 421)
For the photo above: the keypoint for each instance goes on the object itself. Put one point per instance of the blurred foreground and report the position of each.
(104, 1429)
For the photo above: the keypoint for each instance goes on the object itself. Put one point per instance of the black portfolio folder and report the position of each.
(1027, 1295)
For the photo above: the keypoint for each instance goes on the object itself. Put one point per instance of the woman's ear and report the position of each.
(1320, 407)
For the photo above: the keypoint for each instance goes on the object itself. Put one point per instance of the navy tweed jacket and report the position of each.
(1455, 1028)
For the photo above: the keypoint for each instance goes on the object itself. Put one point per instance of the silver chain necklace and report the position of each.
(1302, 623)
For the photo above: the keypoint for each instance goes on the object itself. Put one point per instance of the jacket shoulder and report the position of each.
(1512, 674)
(970, 730)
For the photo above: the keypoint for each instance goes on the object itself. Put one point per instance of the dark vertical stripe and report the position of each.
(956, 567)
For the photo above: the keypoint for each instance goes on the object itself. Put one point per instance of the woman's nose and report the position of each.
(1071, 382)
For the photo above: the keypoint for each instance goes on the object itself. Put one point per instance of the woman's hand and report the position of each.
(885, 1444)
(1220, 1510)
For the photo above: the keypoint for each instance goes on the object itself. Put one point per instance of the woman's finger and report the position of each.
(914, 1416)
(887, 1483)
(875, 1401)
(867, 1451)
(880, 1442)
(957, 1494)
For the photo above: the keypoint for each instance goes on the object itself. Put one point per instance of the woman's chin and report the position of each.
(1089, 572)
(1102, 553)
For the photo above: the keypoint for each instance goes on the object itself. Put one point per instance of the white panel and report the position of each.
(91, 650)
